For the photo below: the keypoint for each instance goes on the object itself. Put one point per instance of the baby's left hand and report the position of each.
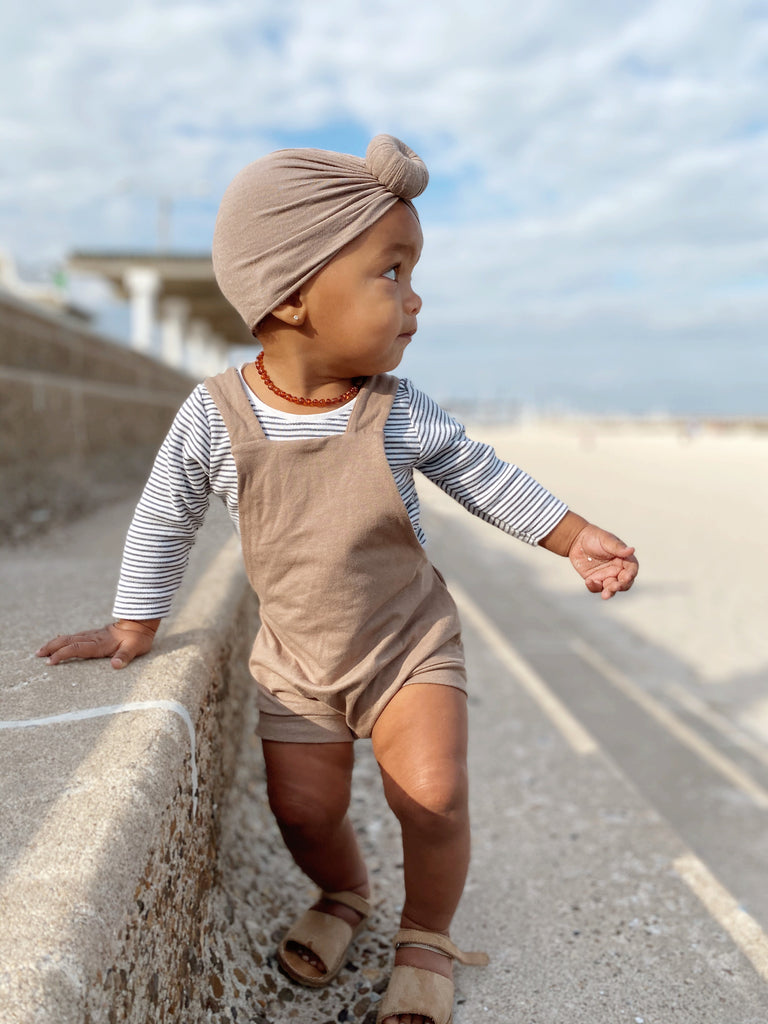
(605, 563)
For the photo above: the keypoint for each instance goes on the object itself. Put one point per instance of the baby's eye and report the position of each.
(391, 273)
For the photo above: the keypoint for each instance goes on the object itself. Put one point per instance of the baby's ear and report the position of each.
(291, 311)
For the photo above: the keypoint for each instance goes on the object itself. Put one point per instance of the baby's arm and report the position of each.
(157, 547)
(506, 496)
(122, 641)
(605, 563)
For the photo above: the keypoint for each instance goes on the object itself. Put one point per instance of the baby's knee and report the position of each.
(306, 809)
(432, 800)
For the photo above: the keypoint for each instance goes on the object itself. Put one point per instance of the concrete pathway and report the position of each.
(599, 874)
(618, 841)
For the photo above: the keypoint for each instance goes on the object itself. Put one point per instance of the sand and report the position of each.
(694, 502)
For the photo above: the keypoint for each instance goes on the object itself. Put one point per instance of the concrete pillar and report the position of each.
(143, 285)
(198, 335)
(206, 351)
(218, 354)
(173, 325)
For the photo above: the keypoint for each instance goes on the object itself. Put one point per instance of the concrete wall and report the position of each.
(113, 782)
(113, 788)
(81, 417)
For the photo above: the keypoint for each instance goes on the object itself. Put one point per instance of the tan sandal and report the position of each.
(417, 991)
(325, 935)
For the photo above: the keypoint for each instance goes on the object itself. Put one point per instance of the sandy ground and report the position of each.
(694, 502)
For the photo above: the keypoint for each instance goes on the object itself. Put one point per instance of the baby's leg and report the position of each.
(309, 789)
(420, 742)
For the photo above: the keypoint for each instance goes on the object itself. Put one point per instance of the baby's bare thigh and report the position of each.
(308, 779)
(420, 741)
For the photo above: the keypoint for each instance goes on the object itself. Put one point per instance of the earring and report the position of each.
(295, 316)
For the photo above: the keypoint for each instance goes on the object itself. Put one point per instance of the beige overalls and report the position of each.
(351, 608)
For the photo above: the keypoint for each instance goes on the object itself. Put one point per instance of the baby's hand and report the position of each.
(121, 641)
(606, 563)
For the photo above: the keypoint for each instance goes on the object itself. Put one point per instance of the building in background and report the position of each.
(177, 312)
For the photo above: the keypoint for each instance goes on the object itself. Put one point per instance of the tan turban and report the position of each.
(286, 215)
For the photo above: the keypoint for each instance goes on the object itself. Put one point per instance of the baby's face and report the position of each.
(361, 306)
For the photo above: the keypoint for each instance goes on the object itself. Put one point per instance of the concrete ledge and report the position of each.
(33, 338)
(72, 444)
(109, 846)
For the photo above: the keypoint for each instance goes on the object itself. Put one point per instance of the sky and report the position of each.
(596, 223)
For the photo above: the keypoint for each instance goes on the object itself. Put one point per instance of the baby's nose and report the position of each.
(413, 303)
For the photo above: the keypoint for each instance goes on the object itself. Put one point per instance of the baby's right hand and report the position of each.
(121, 641)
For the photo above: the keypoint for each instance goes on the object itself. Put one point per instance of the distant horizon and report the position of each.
(719, 393)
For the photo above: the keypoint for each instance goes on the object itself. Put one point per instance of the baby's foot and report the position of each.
(427, 960)
(325, 906)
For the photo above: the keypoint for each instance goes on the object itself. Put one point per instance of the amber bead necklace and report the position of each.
(297, 399)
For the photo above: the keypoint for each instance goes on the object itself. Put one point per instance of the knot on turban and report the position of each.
(396, 166)
(285, 216)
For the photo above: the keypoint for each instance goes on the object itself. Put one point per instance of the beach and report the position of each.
(693, 500)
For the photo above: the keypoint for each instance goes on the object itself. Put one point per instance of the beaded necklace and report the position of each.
(296, 399)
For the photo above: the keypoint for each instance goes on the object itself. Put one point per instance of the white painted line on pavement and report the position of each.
(573, 731)
(723, 907)
(683, 733)
(690, 702)
(82, 714)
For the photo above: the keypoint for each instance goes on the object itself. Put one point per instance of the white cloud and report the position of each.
(593, 165)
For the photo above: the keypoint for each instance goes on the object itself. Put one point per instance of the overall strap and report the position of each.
(373, 403)
(226, 389)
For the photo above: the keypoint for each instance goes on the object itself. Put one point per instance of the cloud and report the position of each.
(594, 167)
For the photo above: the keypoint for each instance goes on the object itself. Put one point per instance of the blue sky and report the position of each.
(596, 223)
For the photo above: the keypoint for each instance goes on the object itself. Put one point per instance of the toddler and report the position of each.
(312, 448)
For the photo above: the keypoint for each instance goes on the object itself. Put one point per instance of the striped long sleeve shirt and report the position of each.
(195, 461)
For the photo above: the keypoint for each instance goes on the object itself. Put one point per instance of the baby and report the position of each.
(312, 448)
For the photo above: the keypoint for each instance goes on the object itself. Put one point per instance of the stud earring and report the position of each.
(295, 316)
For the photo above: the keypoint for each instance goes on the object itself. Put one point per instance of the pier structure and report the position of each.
(177, 312)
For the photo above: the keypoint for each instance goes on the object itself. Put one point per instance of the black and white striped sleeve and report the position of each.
(167, 517)
(472, 473)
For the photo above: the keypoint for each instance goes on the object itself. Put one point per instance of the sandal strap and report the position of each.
(414, 991)
(349, 899)
(440, 944)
